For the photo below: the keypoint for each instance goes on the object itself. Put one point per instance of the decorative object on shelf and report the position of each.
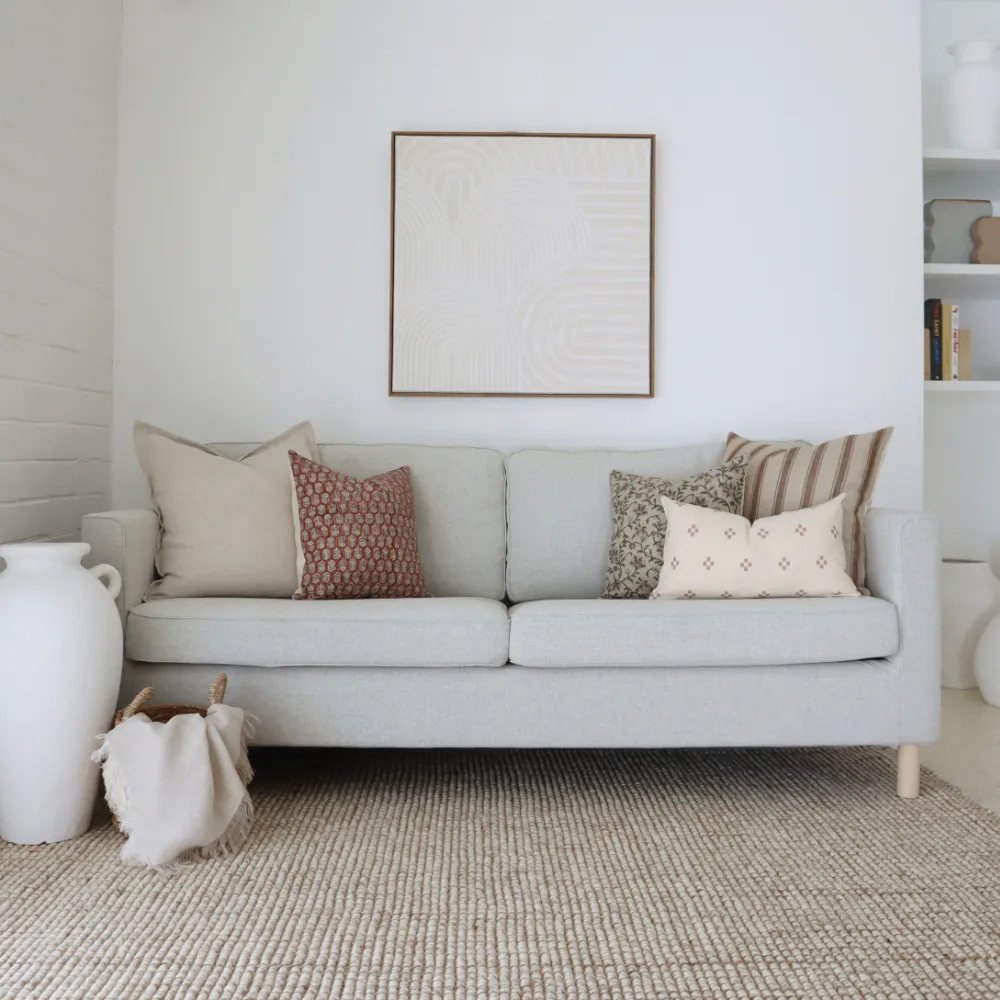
(948, 226)
(970, 598)
(986, 241)
(60, 667)
(522, 264)
(972, 96)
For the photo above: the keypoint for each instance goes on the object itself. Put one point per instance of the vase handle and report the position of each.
(110, 577)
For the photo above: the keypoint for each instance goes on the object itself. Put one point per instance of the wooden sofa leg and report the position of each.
(908, 771)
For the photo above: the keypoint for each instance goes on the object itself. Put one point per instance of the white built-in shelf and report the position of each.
(962, 270)
(952, 160)
(957, 281)
(958, 386)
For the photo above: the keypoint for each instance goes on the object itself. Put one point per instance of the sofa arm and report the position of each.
(903, 566)
(127, 539)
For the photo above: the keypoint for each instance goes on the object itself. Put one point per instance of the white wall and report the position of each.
(253, 241)
(58, 112)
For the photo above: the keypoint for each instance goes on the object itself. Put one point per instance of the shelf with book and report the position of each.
(962, 176)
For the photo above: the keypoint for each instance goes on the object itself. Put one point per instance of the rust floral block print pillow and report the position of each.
(355, 537)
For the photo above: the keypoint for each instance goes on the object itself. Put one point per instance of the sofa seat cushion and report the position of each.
(602, 633)
(410, 632)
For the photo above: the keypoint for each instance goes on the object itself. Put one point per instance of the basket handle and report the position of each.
(218, 690)
(137, 702)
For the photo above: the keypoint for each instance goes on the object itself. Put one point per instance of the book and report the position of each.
(927, 355)
(953, 346)
(965, 354)
(932, 321)
(945, 342)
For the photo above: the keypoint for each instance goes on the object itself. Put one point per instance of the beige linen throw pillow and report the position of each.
(226, 527)
(711, 554)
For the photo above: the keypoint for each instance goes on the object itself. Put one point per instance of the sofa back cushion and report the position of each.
(559, 514)
(458, 496)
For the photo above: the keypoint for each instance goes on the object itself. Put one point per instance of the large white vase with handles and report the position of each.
(972, 96)
(60, 669)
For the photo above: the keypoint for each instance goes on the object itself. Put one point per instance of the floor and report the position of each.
(968, 752)
(772, 874)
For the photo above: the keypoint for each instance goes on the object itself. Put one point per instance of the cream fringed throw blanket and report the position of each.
(179, 788)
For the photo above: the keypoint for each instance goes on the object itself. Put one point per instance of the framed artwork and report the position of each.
(522, 264)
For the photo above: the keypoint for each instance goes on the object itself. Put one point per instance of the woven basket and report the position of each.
(164, 713)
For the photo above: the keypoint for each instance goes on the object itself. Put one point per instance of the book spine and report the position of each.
(945, 342)
(964, 355)
(932, 320)
(954, 342)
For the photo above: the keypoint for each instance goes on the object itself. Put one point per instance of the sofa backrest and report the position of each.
(559, 514)
(458, 494)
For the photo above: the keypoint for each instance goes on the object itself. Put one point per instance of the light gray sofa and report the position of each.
(516, 649)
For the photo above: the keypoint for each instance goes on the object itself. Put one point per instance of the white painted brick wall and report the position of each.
(59, 64)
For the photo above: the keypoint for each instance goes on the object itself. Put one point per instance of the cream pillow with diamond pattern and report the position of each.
(711, 554)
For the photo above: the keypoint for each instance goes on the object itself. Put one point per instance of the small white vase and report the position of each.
(987, 663)
(969, 600)
(972, 96)
(60, 669)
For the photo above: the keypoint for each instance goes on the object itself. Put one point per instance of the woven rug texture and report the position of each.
(391, 875)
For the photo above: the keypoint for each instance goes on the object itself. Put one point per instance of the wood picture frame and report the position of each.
(592, 205)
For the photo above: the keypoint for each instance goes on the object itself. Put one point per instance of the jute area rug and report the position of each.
(750, 874)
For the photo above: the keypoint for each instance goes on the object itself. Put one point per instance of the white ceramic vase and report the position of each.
(969, 600)
(972, 96)
(60, 669)
(987, 663)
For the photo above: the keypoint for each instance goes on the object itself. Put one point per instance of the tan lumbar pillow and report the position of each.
(711, 554)
(226, 527)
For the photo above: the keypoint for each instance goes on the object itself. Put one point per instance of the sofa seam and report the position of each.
(326, 666)
(797, 616)
(305, 621)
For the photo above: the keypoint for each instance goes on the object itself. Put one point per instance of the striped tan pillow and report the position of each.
(782, 478)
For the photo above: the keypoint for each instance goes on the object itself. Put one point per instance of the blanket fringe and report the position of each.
(115, 786)
(235, 834)
(243, 766)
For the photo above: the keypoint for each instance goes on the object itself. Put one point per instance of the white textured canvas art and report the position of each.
(522, 264)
